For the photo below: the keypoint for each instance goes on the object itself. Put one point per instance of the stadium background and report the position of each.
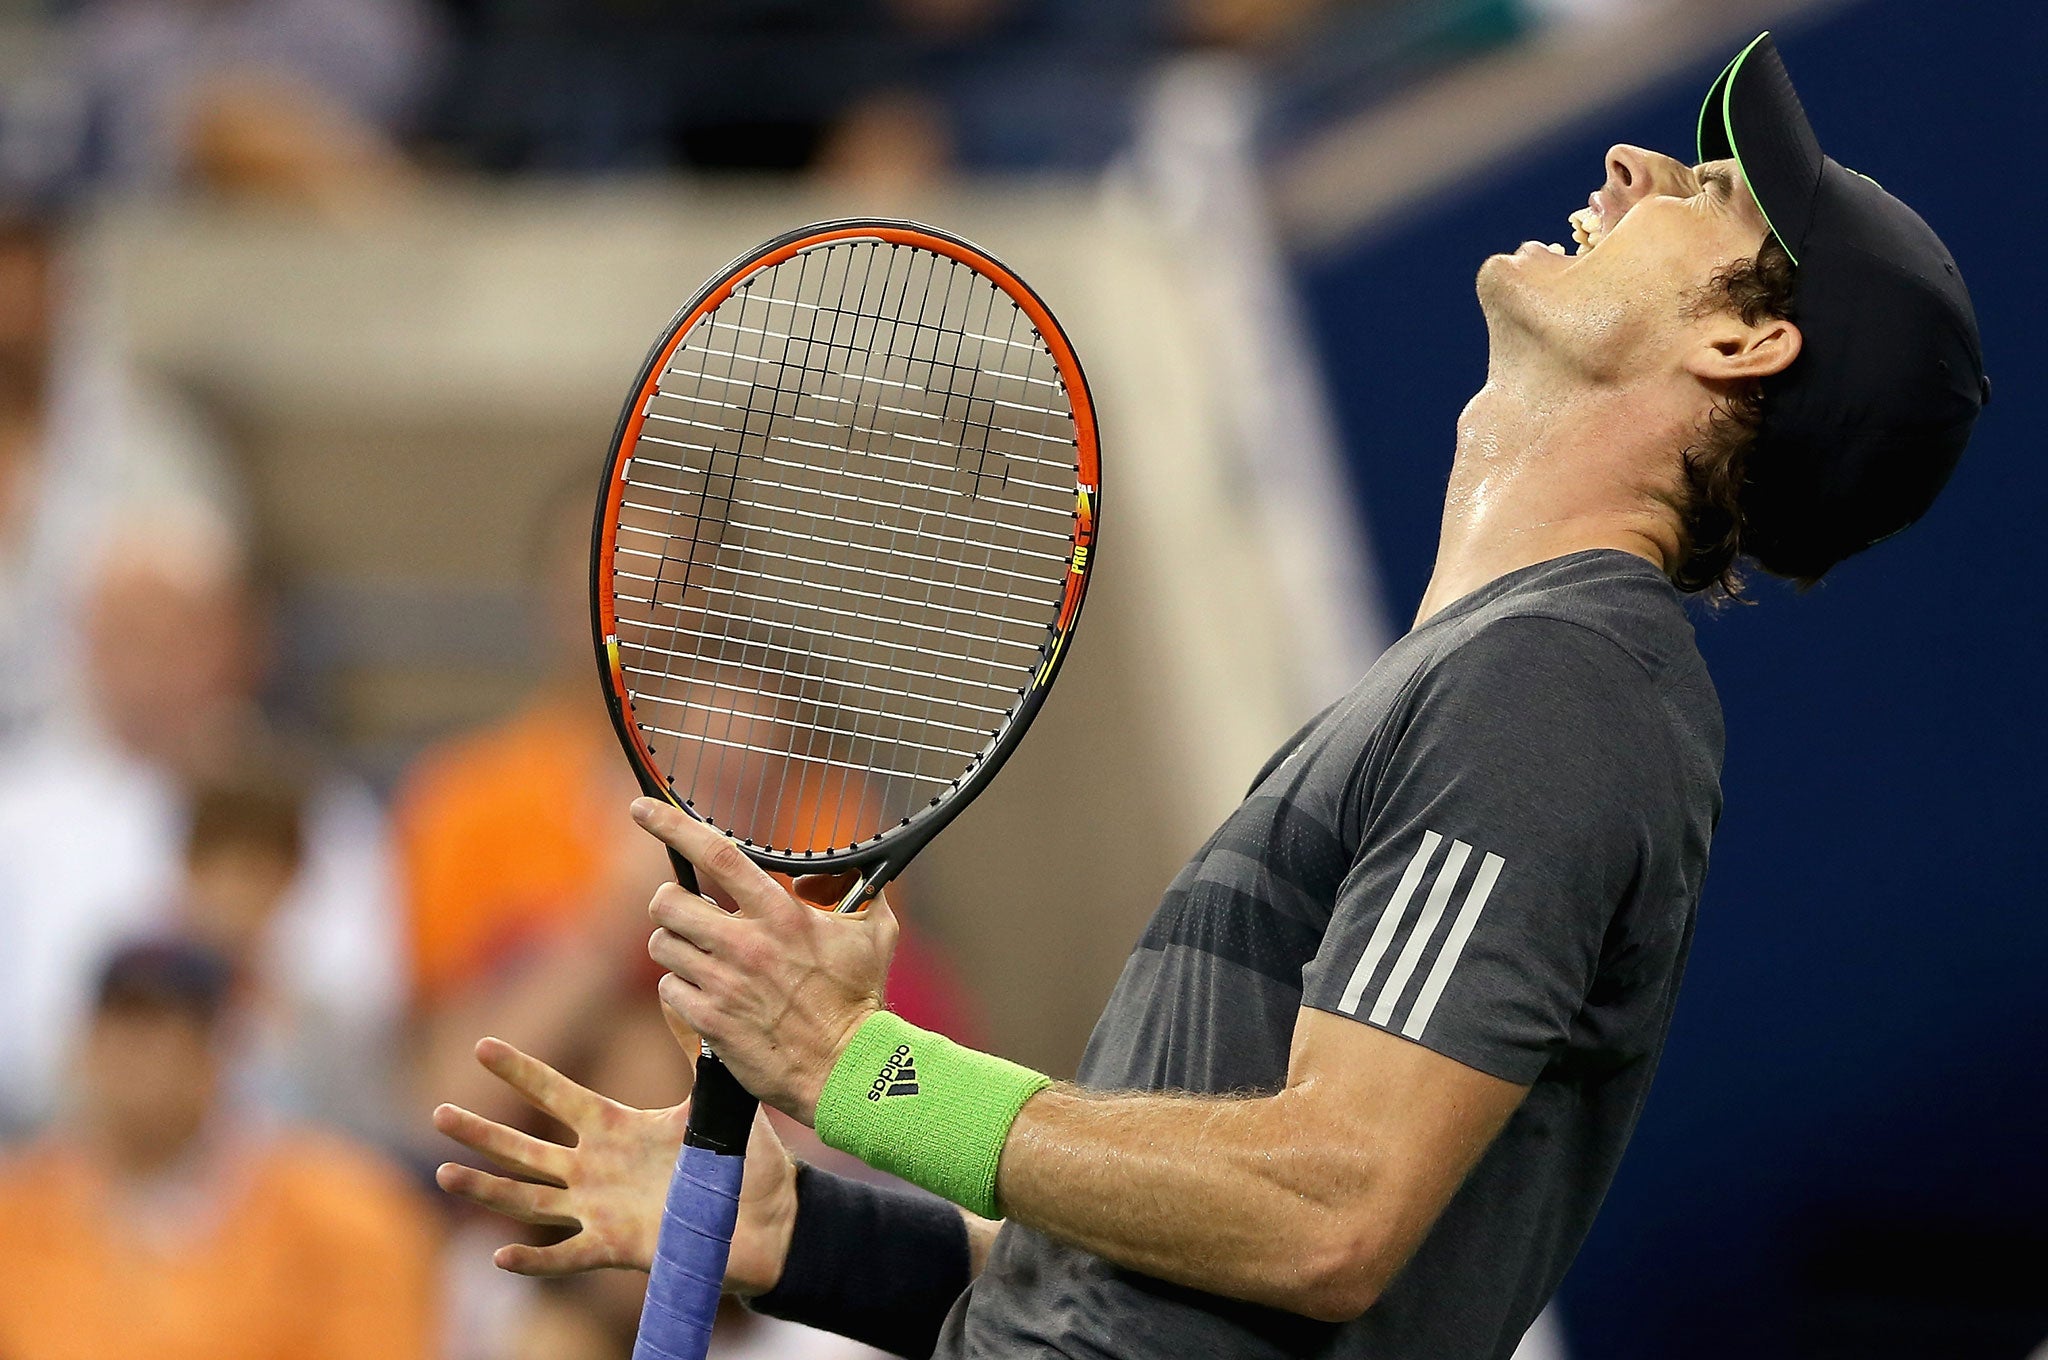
(1259, 223)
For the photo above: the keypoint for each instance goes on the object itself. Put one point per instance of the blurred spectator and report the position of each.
(242, 851)
(306, 1046)
(83, 442)
(883, 96)
(1048, 84)
(1249, 23)
(295, 100)
(155, 1221)
(94, 819)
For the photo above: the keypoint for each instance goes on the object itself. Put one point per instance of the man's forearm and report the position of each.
(1248, 1197)
(1307, 1200)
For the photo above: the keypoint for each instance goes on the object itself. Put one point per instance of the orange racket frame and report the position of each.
(885, 853)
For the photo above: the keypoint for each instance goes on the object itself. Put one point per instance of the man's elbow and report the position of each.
(1341, 1276)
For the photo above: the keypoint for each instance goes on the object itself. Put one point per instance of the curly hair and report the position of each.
(1710, 520)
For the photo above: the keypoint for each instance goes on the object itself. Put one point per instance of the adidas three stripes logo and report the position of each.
(898, 1076)
(1421, 936)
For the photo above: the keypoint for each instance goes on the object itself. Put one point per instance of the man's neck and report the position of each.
(1541, 473)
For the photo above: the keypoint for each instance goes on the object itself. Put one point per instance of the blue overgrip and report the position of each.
(689, 1257)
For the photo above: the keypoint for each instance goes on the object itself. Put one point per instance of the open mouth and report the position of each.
(1589, 227)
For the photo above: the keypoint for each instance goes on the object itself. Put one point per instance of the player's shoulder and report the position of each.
(1605, 612)
(1595, 648)
(1590, 647)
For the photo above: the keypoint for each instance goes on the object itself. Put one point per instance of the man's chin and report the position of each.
(1514, 294)
(1499, 278)
(1531, 264)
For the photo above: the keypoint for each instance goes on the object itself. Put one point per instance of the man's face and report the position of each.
(1649, 239)
(149, 1074)
(170, 645)
(232, 892)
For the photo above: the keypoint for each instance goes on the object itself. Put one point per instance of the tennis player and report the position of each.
(1366, 1077)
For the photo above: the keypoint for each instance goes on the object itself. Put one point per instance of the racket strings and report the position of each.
(839, 557)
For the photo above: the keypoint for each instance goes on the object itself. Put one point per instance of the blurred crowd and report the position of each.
(334, 100)
(234, 976)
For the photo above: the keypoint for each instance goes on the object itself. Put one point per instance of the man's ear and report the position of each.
(1728, 350)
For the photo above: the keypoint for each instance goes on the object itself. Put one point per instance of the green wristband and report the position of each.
(919, 1106)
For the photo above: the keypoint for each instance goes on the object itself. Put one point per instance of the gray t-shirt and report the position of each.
(1493, 846)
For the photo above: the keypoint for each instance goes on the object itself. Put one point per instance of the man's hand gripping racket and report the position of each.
(845, 531)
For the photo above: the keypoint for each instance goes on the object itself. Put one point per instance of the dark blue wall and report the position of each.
(1847, 1149)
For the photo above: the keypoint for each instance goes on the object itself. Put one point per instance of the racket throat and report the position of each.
(864, 890)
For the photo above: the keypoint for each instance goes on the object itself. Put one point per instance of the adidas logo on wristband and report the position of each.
(898, 1076)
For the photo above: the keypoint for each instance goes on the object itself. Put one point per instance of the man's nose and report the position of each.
(1634, 174)
(1628, 174)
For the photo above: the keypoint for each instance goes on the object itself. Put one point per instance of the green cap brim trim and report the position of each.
(1726, 85)
(1708, 109)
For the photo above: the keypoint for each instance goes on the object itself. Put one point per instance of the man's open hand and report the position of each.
(776, 987)
(612, 1184)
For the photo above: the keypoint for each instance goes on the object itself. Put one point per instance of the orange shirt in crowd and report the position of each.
(296, 1248)
(506, 835)
(512, 832)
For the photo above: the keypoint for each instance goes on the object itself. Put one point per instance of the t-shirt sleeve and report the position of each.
(1501, 831)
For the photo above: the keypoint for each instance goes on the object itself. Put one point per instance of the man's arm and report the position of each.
(1310, 1200)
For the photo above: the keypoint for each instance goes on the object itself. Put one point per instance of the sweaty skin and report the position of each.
(1602, 370)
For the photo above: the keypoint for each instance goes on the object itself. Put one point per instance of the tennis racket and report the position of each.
(846, 527)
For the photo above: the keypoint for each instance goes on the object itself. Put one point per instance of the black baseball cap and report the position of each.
(1863, 429)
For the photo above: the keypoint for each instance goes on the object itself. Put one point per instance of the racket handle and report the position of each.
(697, 1221)
(703, 1206)
(689, 1258)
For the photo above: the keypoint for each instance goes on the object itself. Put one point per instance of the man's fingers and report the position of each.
(683, 960)
(572, 1257)
(544, 1088)
(718, 858)
(509, 1148)
(881, 918)
(685, 1000)
(677, 954)
(523, 1200)
(686, 1038)
(701, 922)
